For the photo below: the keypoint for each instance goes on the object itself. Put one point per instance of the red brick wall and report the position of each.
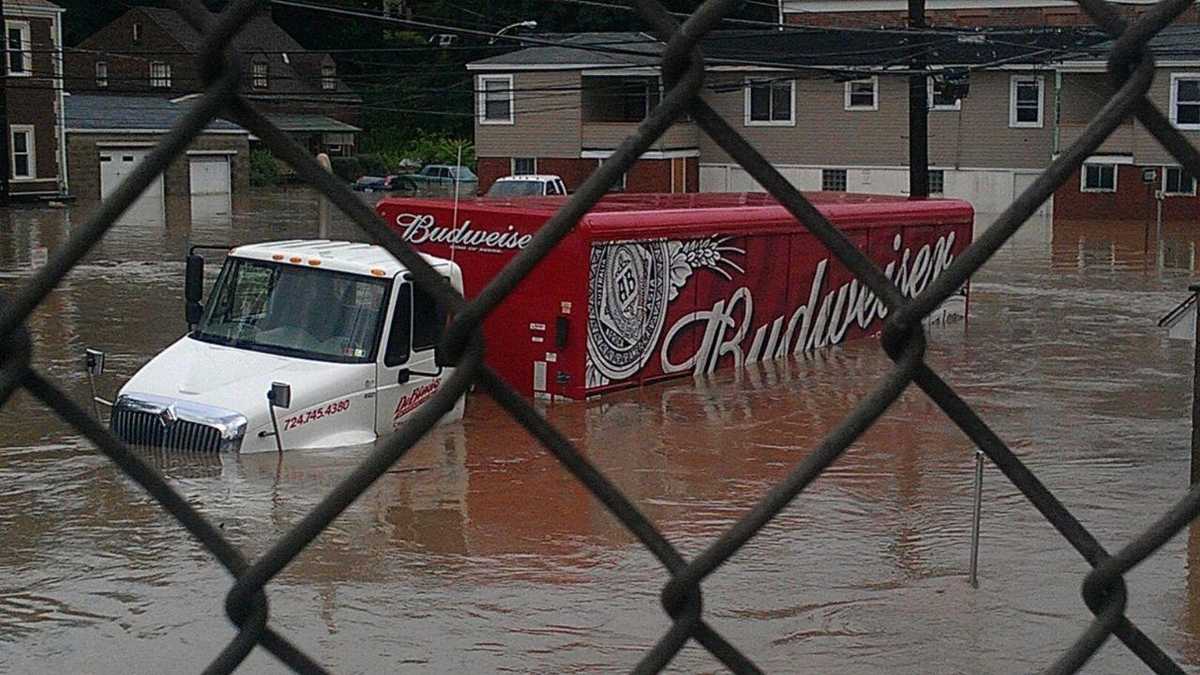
(1133, 200)
(1023, 16)
(647, 175)
(31, 102)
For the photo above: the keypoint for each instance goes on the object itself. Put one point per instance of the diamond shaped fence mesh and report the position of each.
(682, 65)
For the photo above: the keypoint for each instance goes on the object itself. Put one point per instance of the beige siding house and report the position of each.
(826, 122)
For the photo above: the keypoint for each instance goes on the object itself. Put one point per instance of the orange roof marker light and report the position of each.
(296, 259)
(314, 261)
(277, 256)
(378, 272)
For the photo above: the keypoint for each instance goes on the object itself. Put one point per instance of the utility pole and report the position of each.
(918, 108)
(5, 137)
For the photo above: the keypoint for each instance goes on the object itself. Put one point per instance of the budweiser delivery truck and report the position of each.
(648, 287)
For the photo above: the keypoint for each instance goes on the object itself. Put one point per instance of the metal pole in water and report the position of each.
(1195, 289)
(973, 578)
(323, 215)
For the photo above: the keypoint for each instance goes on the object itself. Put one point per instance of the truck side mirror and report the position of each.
(193, 289)
(94, 360)
(280, 395)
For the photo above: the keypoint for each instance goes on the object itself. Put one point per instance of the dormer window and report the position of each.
(328, 76)
(137, 33)
(261, 77)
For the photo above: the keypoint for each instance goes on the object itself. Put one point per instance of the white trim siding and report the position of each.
(848, 104)
(482, 115)
(25, 51)
(27, 132)
(1014, 120)
(1176, 79)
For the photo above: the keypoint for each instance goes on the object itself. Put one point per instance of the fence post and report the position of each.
(1195, 289)
(973, 577)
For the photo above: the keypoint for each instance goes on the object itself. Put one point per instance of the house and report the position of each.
(152, 51)
(37, 165)
(1129, 174)
(963, 13)
(109, 136)
(815, 103)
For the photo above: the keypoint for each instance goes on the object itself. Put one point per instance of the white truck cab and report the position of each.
(532, 185)
(336, 331)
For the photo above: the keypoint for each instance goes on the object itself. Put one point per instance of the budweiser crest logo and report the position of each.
(422, 228)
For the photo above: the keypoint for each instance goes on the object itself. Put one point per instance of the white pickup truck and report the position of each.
(303, 344)
(532, 185)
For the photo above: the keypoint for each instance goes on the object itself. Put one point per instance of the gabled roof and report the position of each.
(1173, 43)
(817, 47)
(300, 123)
(15, 6)
(293, 69)
(131, 113)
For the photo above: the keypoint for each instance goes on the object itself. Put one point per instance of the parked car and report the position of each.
(397, 183)
(444, 175)
(535, 185)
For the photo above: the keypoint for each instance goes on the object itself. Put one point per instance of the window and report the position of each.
(23, 156)
(160, 75)
(260, 72)
(137, 33)
(937, 181)
(524, 166)
(1025, 102)
(1099, 178)
(496, 99)
(1177, 181)
(400, 338)
(429, 320)
(328, 76)
(1185, 101)
(19, 48)
(862, 94)
(101, 74)
(833, 180)
(770, 102)
(941, 96)
(619, 99)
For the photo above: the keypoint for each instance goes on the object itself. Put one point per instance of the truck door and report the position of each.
(407, 373)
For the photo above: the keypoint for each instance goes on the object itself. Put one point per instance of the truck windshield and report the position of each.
(515, 188)
(295, 311)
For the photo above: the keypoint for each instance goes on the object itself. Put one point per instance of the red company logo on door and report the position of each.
(413, 400)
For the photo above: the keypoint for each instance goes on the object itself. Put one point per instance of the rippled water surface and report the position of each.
(478, 553)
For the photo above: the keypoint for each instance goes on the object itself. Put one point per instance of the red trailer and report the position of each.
(654, 286)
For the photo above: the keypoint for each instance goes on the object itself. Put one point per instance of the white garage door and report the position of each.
(211, 189)
(115, 165)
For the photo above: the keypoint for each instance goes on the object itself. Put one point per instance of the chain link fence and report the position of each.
(1132, 71)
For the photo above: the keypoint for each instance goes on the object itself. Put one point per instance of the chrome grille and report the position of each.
(144, 428)
(155, 421)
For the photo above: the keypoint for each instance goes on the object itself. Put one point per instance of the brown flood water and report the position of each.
(480, 554)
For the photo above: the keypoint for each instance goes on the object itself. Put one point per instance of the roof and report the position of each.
(312, 123)
(293, 69)
(16, 6)
(1173, 43)
(810, 47)
(622, 216)
(339, 256)
(131, 113)
(528, 176)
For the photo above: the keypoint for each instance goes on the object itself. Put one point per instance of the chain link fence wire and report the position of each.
(1131, 69)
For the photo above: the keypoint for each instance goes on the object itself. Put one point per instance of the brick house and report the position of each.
(37, 165)
(1131, 172)
(814, 103)
(946, 13)
(151, 51)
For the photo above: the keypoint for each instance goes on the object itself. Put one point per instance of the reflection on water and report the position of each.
(479, 553)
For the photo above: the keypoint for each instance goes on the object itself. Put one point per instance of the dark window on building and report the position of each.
(1177, 181)
(769, 101)
(1100, 177)
(937, 181)
(1185, 99)
(833, 180)
(101, 74)
(619, 99)
(524, 166)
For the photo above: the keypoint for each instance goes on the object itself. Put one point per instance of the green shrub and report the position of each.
(347, 168)
(394, 146)
(264, 169)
